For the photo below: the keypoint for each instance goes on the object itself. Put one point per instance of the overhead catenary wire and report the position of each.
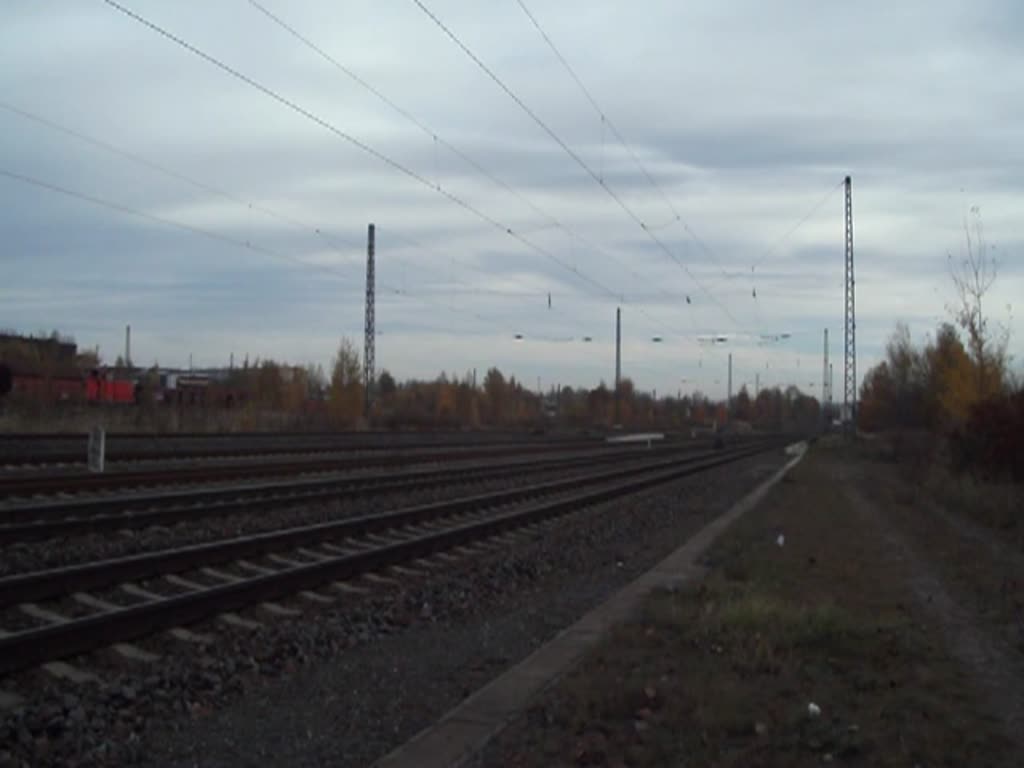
(316, 266)
(201, 185)
(572, 154)
(157, 167)
(394, 164)
(332, 239)
(360, 144)
(606, 121)
(210, 188)
(127, 210)
(790, 232)
(767, 253)
(540, 294)
(106, 146)
(436, 139)
(468, 286)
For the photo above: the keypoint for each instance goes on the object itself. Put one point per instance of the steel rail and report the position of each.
(50, 520)
(75, 636)
(64, 483)
(121, 453)
(41, 585)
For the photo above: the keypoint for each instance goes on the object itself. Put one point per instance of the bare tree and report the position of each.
(973, 276)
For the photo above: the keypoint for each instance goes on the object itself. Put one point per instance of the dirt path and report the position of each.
(983, 567)
(892, 617)
(995, 665)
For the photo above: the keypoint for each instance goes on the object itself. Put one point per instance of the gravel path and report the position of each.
(344, 683)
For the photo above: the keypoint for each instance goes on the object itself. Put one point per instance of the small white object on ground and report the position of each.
(813, 710)
(781, 540)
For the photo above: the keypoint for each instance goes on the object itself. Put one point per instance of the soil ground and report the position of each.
(850, 618)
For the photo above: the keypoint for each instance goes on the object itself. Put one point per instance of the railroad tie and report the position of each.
(178, 633)
(376, 538)
(401, 534)
(312, 555)
(127, 650)
(517, 536)
(221, 575)
(430, 526)
(257, 569)
(316, 597)
(506, 539)
(469, 550)
(64, 671)
(279, 610)
(237, 621)
(347, 547)
(336, 550)
(38, 612)
(94, 602)
(135, 653)
(188, 636)
(281, 560)
(137, 591)
(180, 581)
(491, 543)
(446, 557)
(425, 563)
(351, 589)
(402, 570)
(385, 581)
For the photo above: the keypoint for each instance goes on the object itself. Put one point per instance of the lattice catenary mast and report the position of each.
(826, 396)
(618, 359)
(369, 342)
(850, 362)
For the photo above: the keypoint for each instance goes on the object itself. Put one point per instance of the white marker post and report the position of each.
(97, 449)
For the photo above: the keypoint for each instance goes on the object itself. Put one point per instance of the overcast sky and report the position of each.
(741, 119)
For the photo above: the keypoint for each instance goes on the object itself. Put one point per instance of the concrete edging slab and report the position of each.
(465, 730)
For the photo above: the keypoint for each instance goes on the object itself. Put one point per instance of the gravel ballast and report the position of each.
(342, 684)
(30, 556)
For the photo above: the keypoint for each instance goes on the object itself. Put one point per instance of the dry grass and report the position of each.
(924, 468)
(998, 505)
(722, 673)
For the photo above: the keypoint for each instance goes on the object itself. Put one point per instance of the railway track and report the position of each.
(296, 560)
(36, 484)
(55, 519)
(20, 450)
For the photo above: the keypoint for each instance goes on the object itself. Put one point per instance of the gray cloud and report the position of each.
(746, 115)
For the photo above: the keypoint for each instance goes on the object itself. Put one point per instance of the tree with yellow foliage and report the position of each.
(973, 275)
(345, 397)
(952, 382)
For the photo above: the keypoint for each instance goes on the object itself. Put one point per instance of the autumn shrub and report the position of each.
(991, 443)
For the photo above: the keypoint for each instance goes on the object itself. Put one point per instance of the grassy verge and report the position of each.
(921, 462)
(996, 505)
(725, 673)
